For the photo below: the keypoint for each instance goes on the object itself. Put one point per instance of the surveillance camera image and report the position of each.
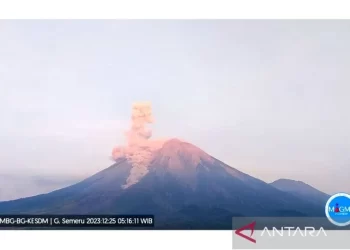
(174, 124)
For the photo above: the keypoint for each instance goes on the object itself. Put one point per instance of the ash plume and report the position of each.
(141, 116)
(139, 148)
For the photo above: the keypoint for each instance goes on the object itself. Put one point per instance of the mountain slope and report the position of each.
(184, 188)
(301, 189)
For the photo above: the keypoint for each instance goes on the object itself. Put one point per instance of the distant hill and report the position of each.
(18, 186)
(184, 187)
(302, 190)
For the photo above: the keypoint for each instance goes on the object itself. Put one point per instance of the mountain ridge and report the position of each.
(181, 186)
(300, 188)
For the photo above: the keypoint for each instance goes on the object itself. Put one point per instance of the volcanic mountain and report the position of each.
(184, 187)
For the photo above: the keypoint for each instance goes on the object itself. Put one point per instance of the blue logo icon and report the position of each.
(338, 209)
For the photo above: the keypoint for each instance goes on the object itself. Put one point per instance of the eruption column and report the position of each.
(139, 149)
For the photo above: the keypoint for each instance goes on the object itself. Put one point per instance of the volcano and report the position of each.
(182, 186)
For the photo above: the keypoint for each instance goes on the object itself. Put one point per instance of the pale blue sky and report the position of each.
(270, 98)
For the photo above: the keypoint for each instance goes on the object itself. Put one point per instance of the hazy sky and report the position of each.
(270, 98)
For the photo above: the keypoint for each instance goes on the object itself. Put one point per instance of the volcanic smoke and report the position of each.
(139, 149)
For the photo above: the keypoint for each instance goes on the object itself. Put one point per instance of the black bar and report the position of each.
(76, 221)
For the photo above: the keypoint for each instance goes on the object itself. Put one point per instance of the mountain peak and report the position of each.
(175, 143)
(175, 153)
(300, 188)
(174, 140)
(289, 181)
(177, 147)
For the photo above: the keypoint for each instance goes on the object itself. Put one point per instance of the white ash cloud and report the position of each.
(139, 149)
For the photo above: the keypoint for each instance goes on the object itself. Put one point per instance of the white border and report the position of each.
(170, 9)
(123, 240)
(151, 9)
(327, 212)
